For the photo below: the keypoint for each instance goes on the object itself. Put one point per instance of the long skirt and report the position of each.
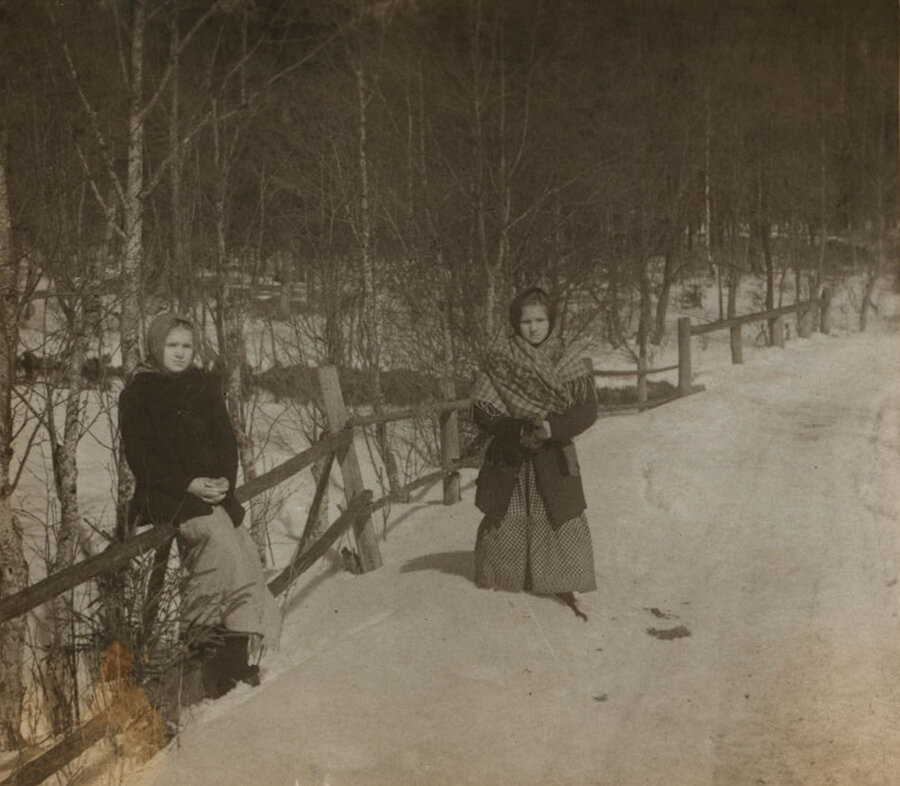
(523, 551)
(226, 586)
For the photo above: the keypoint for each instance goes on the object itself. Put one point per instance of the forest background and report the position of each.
(370, 181)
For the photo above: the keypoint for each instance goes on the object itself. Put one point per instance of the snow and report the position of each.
(761, 515)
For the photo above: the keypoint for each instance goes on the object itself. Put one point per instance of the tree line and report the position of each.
(373, 178)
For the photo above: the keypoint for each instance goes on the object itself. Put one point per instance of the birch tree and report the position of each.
(13, 568)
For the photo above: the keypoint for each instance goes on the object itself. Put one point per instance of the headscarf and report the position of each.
(157, 334)
(522, 380)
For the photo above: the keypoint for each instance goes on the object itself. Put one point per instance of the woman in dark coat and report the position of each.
(532, 397)
(181, 448)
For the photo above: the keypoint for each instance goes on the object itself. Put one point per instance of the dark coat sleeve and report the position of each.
(556, 464)
(502, 461)
(506, 436)
(151, 468)
(577, 418)
(503, 427)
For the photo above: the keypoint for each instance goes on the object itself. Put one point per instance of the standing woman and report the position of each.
(532, 396)
(180, 445)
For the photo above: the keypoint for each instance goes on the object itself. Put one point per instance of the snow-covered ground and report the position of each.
(759, 515)
(758, 520)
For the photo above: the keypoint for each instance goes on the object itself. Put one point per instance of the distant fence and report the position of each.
(809, 313)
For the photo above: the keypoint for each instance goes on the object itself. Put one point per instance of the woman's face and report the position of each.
(178, 352)
(534, 325)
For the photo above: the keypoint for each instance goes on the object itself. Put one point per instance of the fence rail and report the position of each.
(42, 767)
(634, 372)
(805, 310)
(122, 552)
(408, 414)
(772, 314)
(356, 516)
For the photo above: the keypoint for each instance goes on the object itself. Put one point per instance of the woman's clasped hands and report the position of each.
(210, 490)
(534, 432)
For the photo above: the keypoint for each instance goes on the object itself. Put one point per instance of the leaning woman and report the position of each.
(532, 396)
(181, 448)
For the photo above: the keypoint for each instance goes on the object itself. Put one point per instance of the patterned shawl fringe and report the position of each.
(521, 380)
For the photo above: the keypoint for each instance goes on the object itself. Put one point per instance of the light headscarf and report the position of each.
(157, 333)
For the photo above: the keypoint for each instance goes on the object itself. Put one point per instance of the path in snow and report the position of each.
(761, 516)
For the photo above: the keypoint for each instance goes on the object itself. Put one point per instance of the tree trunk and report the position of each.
(179, 275)
(134, 199)
(734, 281)
(707, 199)
(877, 268)
(58, 636)
(446, 317)
(490, 304)
(229, 332)
(60, 688)
(765, 232)
(823, 198)
(662, 304)
(13, 568)
(236, 365)
(130, 320)
(372, 329)
(646, 309)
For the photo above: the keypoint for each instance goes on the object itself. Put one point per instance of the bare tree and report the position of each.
(13, 568)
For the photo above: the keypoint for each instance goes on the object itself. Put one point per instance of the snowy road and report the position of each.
(754, 528)
(777, 543)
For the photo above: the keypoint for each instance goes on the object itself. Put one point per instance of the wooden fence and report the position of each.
(338, 444)
(809, 313)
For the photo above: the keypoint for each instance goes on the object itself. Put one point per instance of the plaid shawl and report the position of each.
(521, 380)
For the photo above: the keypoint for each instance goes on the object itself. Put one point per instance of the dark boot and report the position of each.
(569, 599)
(239, 668)
(226, 663)
(215, 672)
(206, 651)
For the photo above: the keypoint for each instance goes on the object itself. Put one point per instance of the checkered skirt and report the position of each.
(524, 552)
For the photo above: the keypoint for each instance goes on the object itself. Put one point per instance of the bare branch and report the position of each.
(91, 113)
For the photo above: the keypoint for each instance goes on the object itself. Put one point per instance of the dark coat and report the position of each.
(175, 429)
(555, 463)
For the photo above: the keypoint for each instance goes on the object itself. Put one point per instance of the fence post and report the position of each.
(642, 382)
(684, 356)
(825, 312)
(737, 344)
(449, 421)
(336, 412)
(778, 332)
(804, 323)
